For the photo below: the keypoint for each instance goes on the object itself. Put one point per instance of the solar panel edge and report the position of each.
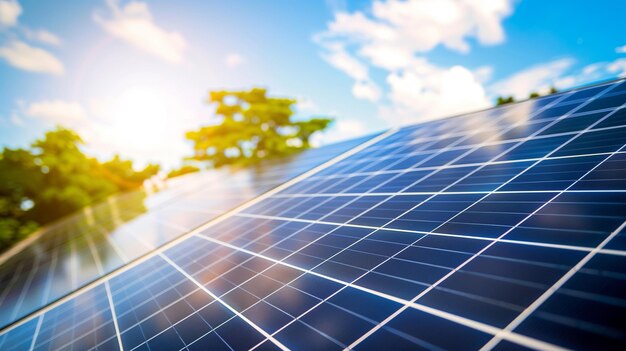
(375, 139)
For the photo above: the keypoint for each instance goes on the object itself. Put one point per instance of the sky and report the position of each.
(131, 77)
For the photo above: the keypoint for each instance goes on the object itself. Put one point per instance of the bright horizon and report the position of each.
(132, 77)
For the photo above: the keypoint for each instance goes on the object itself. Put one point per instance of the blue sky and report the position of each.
(132, 77)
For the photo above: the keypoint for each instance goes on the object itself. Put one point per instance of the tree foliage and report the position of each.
(503, 100)
(54, 178)
(250, 127)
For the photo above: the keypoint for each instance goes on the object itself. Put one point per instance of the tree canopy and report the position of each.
(54, 178)
(250, 127)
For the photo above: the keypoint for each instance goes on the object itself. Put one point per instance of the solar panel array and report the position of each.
(500, 229)
(95, 242)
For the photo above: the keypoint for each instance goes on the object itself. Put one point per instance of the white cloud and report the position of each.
(425, 92)
(42, 36)
(397, 30)
(621, 49)
(133, 23)
(538, 78)
(29, 58)
(10, 10)
(394, 35)
(61, 112)
(234, 60)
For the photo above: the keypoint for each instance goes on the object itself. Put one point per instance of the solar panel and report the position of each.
(499, 229)
(103, 238)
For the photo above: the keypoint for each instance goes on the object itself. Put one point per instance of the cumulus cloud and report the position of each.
(537, 78)
(424, 92)
(134, 24)
(397, 30)
(57, 112)
(621, 49)
(234, 60)
(23, 56)
(393, 36)
(10, 10)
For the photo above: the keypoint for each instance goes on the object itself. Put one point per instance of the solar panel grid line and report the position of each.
(417, 297)
(213, 221)
(514, 337)
(201, 286)
(473, 237)
(114, 315)
(36, 333)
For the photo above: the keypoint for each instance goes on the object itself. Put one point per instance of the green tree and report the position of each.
(55, 178)
(503, 100)
(250, 127)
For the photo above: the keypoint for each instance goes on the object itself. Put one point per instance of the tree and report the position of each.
(55, 178)
(504, 100)
(251, 127)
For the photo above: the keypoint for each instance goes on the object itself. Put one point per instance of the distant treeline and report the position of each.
(503, 100)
